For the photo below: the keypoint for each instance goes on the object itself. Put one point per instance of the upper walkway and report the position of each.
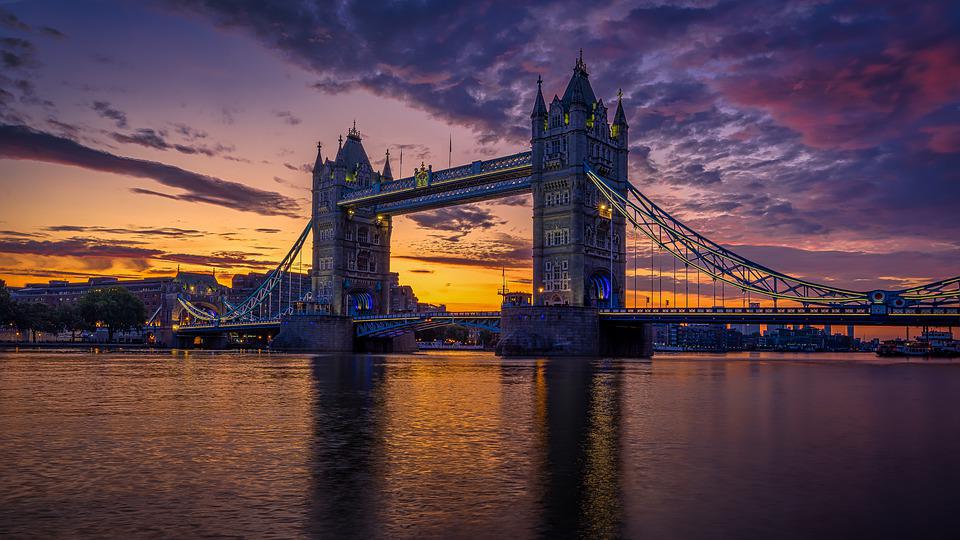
(426, 190)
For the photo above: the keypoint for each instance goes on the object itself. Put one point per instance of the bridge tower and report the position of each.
(578, 242)
(351, 248)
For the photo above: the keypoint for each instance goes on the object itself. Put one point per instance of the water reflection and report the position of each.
(469, 445)
(443, 446)
(346, 446)
(579, 408)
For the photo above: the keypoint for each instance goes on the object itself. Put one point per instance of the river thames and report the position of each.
(464, 444)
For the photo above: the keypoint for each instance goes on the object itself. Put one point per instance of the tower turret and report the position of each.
(619, 128)
(318, 167)
(387, 174)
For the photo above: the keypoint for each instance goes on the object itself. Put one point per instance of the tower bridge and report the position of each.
(583, 207)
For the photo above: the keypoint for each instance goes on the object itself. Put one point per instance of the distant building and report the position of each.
(151, 291)
(402, 297)
(424, 307)
(517, 298)
(806, 339)
(159, 295)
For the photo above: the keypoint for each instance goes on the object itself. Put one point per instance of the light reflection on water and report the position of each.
(469, 445)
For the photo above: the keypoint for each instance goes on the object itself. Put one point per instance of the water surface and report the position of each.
(468, 445)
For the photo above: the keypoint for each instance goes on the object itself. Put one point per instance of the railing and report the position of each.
(443, 176)
(428, 315)
(742, 310)
(452, 195)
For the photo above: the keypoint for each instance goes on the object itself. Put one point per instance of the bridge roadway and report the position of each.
(398, 323)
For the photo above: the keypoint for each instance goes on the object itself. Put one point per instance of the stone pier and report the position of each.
(549, 331)
(568, 331)
(315, 332)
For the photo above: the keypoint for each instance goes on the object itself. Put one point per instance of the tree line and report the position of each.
(113, 308)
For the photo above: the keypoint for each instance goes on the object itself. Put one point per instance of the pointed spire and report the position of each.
(620, 118)
(539, 108)
(318, 163)
(578, 89)
(354, 133)
(387, 174)
(580, 65)
(338, 159)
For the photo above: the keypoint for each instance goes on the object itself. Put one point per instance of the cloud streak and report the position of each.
(21, 142)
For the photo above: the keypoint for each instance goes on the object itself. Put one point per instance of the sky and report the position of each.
(820, 138)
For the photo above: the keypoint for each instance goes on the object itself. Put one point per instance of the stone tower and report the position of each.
(351, 249)
(578, 243)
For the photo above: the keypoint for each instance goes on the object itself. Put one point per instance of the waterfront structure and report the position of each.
(576, 171)
(351, 247)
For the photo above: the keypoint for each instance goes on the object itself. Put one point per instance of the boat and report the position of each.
(929, 344)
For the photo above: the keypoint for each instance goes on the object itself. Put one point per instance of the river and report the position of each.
(467, 445)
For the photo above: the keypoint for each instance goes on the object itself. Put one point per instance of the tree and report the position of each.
(33, 317)
(115, 308)
(6, 313)
(68, 318)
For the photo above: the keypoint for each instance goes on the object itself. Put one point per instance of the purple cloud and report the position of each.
(21, 142)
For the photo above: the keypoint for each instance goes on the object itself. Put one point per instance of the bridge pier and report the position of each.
(626, 341)
(404, 343)
(549, 331)
(568, 331)
(316, 332)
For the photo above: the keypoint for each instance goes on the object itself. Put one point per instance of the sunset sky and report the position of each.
(819, 138)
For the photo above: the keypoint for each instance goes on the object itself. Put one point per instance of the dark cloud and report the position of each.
(501, 251)
(21, 142)
(143, 137)
(157, 139)
(420, 271)
(268, 231)
(105, 110)
(188, 132)
(103, 254)
(899, 269)
(9, 20)
(31, 272)
(16, 53)
(470, 82)
(843, 114)
(459, 220)
(221, 259)
(52, 32)
(175, 232)
(77, 247)
(22, 234)
(287, 117)
(68, 130)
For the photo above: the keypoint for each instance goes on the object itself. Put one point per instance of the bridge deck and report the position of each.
(477, 181)
(394, 323)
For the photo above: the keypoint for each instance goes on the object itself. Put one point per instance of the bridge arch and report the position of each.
(599, 288)
(181, 315)
(360, 302)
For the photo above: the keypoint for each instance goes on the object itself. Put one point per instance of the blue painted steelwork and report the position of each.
(264, 292)
(463, 195)
(401, 323)
(699, 252)
(393, 325)
(479, 180)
